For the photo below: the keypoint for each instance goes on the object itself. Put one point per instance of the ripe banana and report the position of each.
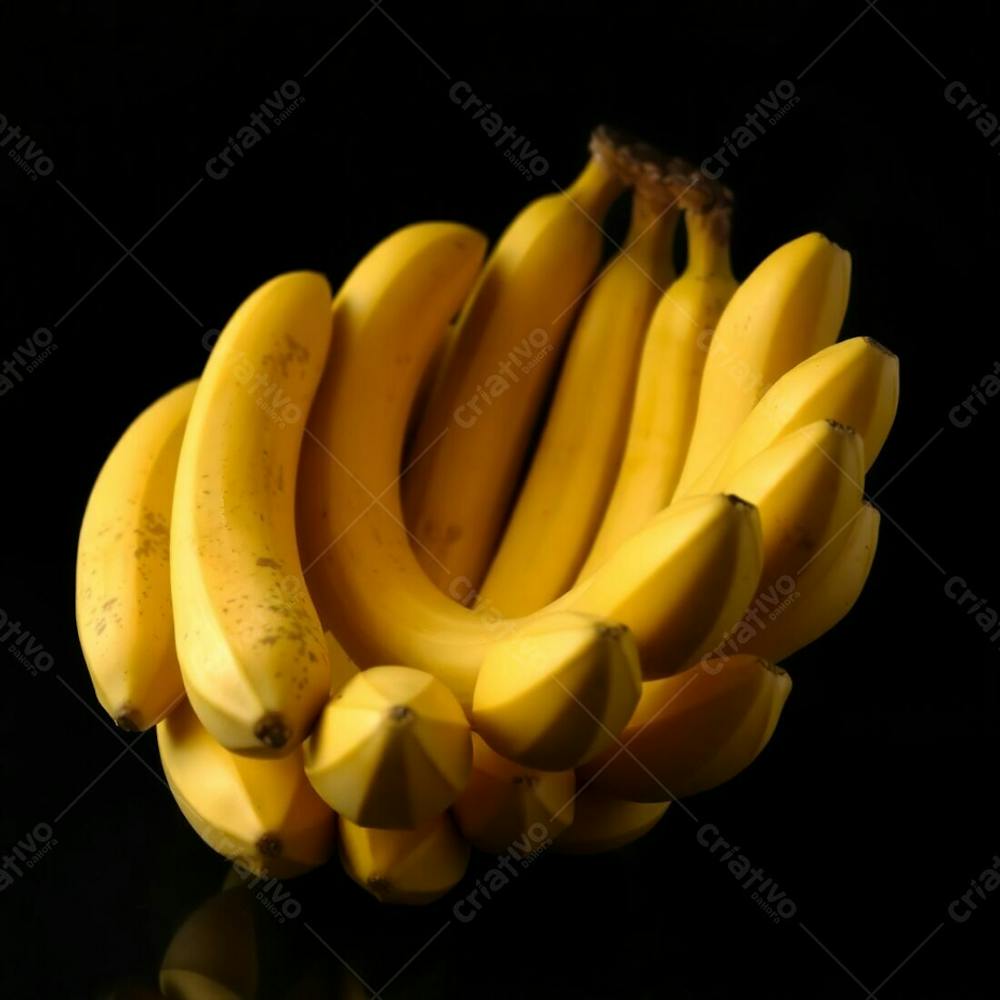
(806, 486)
(472, 439)
(212, 955)
(681, 736)
(824, 591)
(855, 382)
(557, 691)
(574, 465)
(250, 645)
(682, 582)
(392, 749)
(666, 396)
(123, 610)
(409, 867)
(363, 574)
(262, 813)
(791, 306)
(506, 805)
(602, 822)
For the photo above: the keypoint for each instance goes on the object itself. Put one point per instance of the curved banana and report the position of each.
(791, 306)
(123, 610)
(506, 807)
(557, 691)
(408, 867)
(573, 467)
(855, 382)
(213, 954)
(670, 371)
(250, 645)
(824, 591)
(262, 813)
(683, 735)
(602, 822)
(370, 589)
(392, 749)
(472, 439)
(805, 486)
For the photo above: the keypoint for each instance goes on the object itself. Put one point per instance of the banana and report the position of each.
(683, 733)
(855, 382)
(506, 806)
(123, 610)
(682, 582)
(392, 749)
(472, 439)
(213, 954)
(806, 486)
(555, 719)
(670, 370)
(408, 867)
(573, 468)
(371, 591)
(791, 306)
(602, 822)
(250, 645)
(262, 813)
(824, 591)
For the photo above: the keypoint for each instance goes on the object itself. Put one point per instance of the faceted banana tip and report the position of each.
(842, 428)
(872, 342)
(737, 501)
(128, 720)
(269, 846)
(272, 731)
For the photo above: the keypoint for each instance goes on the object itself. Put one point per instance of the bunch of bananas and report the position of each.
(490, 553)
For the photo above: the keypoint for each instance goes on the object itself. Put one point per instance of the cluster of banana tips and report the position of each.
(665, 504)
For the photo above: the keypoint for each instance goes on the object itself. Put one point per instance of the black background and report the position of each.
(874, 804)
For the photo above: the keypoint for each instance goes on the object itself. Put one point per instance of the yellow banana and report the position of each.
(805, 486)
(363, 574)
(670, 370)
(557, 691)
(684, 725)
(213, 954)
(855, 382)
(251, 649)
(507, 806)
(602, 822)
(262, 813)
(472, 438)
(573, 468)
(409, 867)
(824, 591)
(791, 306)
(123, 611)
(392, 749)
(680, 583)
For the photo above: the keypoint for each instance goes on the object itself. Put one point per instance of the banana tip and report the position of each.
(272, 731)
(127, 719)
(268, 846)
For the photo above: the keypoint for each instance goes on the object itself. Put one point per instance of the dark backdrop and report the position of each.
(873, 807)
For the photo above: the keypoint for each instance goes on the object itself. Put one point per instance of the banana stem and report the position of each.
(596, 187)
(708, 241)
